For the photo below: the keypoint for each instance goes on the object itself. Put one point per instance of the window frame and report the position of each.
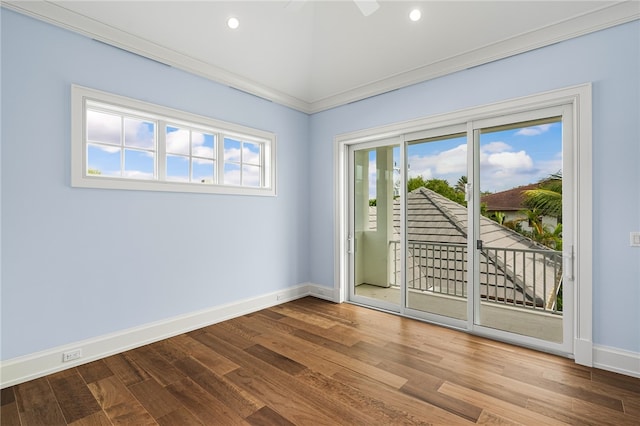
(83, 98)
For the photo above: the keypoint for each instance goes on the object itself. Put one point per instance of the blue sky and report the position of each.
(508, 158)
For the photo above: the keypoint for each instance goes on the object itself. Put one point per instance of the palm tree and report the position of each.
(547, 198)
(461, 185)
(534, 217)
(542, 233)
(499, 217)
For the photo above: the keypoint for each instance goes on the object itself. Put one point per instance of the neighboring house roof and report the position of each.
(509, 200)
(437, 237)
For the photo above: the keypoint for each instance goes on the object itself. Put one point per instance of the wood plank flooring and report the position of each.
(311, 362)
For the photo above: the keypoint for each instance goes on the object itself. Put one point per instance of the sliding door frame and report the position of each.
(474, 128)
(352, 240)
(578, 98)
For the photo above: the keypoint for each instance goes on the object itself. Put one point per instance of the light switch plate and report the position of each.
(634, 239)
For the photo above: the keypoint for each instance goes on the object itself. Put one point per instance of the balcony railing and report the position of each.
(522, 278)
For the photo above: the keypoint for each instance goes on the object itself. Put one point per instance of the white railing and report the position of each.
(522, 278)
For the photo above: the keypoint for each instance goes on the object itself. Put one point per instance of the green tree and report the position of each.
(461, 185)
(547, 198)
(415, 183)
(440, 186)
(94, 172)
(498, 217)
(541, 233)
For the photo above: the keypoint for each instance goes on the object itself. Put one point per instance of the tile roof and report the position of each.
(512, 266)
(509, 200)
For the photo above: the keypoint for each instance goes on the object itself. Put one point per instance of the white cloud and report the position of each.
(199, 149)
(107, 148)
(107, 128)
(251, 153)
(506, 160)
(534, 130)
(501, 167)
(496, 146)
(251, 176)
(441, 165)
(139, 134)
(178, 141)
(103, 127)
(232, 176)
(232, 155)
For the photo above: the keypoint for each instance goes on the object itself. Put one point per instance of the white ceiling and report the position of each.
(314, 55)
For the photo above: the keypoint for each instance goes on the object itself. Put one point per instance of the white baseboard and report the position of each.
(32, 366)
(617, 360)
(322, 292)
(583, 352)
(22, 369)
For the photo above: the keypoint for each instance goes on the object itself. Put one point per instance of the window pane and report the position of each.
(231, 151)
(177, 168)
(139, 134)
(103, 160)
(251, 176)
(177, 140)
(202, 145)
(251, 153)
(232, 174)
(138, 164)
(203, 171)
(105, 128)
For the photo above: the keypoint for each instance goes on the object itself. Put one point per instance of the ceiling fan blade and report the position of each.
(367, 7)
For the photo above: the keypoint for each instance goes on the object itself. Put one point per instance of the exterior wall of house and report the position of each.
(79, 263)
(510, 216)
(610, 59)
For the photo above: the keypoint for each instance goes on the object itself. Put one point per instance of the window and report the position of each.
(121, 143)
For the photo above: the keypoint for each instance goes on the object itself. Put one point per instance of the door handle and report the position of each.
(568, 263)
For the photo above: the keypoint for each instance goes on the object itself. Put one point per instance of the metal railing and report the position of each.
(522, 278)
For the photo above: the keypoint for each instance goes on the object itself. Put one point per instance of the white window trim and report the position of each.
(579, 99)
(79, 178)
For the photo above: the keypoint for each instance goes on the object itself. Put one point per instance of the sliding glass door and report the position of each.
(469, 225)
(521, 225)
(437, 224)
(375, 228)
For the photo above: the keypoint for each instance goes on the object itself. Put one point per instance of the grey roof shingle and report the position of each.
(527, 273)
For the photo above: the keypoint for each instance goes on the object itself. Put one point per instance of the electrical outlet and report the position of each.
(71, 355)
(634, 239)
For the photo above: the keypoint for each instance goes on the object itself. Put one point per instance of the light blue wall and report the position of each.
(610, 59)
(79, 263)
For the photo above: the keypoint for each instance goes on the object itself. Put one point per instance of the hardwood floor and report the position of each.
(311, 362)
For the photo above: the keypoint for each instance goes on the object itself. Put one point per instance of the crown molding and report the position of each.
(60, 16)
(609, 16)
(603, 18)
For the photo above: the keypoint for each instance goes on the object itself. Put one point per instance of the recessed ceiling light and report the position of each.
(415, 15)
(233, 23)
